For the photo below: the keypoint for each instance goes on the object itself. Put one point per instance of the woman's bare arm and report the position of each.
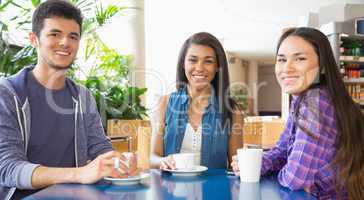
(236, 136)
(157, 133)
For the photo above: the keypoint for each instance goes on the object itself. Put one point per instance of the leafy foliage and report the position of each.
(117, 102)
(239, 93)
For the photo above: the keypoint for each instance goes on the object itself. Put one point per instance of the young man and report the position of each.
(49, 126)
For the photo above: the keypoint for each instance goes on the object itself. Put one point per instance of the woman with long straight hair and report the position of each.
(199, 117)
(322, 147)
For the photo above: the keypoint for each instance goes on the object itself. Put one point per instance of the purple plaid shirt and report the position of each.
(306, 148)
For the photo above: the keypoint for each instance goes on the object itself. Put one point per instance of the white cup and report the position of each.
(116, 162)
(184, 160)
(250, 162)
(127, 155)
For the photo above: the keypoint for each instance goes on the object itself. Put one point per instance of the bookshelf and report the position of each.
(351, 62)
(348, 48)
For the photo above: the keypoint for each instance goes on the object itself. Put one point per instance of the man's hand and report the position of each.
(103, 166)
(131, 159)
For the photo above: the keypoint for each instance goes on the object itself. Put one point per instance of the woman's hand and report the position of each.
(167, 163)
(235, 165)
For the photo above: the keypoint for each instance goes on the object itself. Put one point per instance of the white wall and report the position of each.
(168, 24)
(237, 69)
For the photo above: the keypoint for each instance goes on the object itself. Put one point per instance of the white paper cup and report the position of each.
(250, 162)
(184, 160)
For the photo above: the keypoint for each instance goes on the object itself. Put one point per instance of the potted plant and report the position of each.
(239, 94)
(118, 102)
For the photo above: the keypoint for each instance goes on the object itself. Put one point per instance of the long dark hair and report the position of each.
(349, 157)
(220, 83)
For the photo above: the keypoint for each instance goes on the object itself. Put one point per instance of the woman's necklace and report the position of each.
(195, 113)
(197, 103)
(193, 124)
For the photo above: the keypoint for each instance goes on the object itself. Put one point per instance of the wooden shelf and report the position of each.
(361, 104)
(357, 59)
(354, 80)
(351, 37)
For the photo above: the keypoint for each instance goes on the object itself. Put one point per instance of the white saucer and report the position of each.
(129, 180)
(187, 172)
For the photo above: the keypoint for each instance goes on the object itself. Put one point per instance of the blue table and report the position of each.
(212, 184)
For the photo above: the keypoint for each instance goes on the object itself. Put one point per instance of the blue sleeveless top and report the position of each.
(214, 142)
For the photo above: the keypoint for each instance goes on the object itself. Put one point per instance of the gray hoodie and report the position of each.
(15, 169)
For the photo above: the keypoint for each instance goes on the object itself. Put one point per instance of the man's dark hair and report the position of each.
(55, 8)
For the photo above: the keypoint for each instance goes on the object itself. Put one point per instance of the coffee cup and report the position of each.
(250, 161)
(184, 160)
(128, 156)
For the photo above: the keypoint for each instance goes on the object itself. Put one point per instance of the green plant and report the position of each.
(12, 57)
(114, 95)
(125, 102)
(101, 69)
(5, 52)
(239, 94)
